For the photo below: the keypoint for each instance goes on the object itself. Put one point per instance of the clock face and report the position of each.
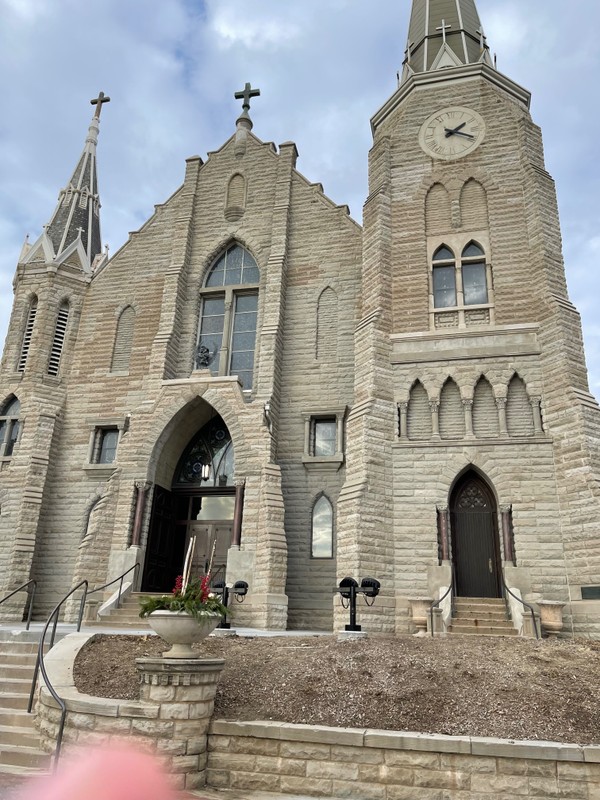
(452, 133)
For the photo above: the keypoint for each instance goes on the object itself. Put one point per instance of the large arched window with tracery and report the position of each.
(208, 460)
(228, 315)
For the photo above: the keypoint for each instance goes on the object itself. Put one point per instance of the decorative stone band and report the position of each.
(384, 765)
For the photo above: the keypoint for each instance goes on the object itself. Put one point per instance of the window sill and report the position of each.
(100, 470)
(323, 462)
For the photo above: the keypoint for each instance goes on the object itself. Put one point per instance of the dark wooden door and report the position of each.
(166, 544)
(475, 549)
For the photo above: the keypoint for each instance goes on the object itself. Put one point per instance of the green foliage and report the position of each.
(197, 601)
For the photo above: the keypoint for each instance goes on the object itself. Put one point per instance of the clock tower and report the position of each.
(473, 443)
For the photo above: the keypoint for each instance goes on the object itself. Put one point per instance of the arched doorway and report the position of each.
(475, 543)
(200, 502)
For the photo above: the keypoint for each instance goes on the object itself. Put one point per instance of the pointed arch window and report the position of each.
(322, 529)
(60, 331)
(228, 316)
(444, 278)
(27, 334)
(10, 427)
(208, 460)
(474, 278)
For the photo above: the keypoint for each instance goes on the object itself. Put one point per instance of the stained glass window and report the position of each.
(211, 447)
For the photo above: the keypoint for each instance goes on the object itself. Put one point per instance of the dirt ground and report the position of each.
(476, 686)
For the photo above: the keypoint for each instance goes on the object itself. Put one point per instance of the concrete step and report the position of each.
(8, 671)
(16, 685)
(481, 616)
(18, 717)
(14, 735)
(14, 699)
(19, 756)
(111, 622)
(18, 659)
(483, 630)
(488, 601)
(17, 646)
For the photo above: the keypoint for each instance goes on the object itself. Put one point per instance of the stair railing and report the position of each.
(41, 667)
(451, 590)
(520, 599)
(133, 569)
(31, 598)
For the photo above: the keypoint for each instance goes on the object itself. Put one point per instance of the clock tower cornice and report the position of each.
(462, 74)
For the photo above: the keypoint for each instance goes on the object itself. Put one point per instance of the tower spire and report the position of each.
(76, 217)
(444, 33)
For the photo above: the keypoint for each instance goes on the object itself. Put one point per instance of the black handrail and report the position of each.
(135, 567)
(527, 605)
(451, 588)
(40, 666)
(31, 597)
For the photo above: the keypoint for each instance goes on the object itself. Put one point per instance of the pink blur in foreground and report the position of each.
(105, 773)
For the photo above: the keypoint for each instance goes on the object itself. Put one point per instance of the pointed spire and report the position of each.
(77, 215)
(444, 33)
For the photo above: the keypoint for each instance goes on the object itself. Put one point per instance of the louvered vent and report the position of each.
(452, 415)
(59, 339)
(26, 344)
(123, 341)
(419, 414)
(485, 411)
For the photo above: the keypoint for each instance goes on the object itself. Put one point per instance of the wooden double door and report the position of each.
(176, 518)
(475, 543)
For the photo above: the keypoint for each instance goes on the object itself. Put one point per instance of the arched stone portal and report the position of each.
(475, 542)
(195, 499)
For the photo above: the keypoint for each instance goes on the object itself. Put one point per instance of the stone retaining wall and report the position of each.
(383, 765)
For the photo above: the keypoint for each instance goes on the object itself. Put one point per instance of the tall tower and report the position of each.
(50, 283)
(473, 443)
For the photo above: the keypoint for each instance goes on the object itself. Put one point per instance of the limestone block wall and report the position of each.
(385, 765)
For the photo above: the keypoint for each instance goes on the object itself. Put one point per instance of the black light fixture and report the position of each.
(349, 589)
(239, 590)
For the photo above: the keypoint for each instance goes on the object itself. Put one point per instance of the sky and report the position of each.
(324, 67)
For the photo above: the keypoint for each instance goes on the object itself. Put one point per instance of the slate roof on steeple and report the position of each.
(77, 213)
(444, 33)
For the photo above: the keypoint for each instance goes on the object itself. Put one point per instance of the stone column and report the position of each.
(238, 514)
(537, 415)
(402, 418)
(141, 488)
(507, 534)
(501, 405)
(434, 405)
(443, 519)
(185, 690)
(468, 407)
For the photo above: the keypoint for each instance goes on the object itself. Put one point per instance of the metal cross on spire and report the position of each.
(443, 29)
(245, 95)
(98, 102)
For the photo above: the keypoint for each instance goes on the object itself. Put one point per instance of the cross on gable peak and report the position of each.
(246, 94)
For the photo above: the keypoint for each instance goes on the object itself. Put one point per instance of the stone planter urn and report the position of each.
(551, 616)
(419, 607)
(181, 630)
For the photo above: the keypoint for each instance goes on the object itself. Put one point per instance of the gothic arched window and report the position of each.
(9, 426)
(228, 315)
(123, 341)
(474, 279)
(322, 529)
(444, 278)
(208, 460)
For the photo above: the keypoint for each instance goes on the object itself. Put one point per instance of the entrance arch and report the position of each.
(475, 542)
(200, 502)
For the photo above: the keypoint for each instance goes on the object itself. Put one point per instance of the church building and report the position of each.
(311, 398)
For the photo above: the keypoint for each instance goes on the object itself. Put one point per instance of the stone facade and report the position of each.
(423, 395)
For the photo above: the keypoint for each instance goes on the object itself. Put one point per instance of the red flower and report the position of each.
(204, 587)
(178, 584)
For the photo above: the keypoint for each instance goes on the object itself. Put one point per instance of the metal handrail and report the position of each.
(135, 567)
(41, 667)
(31, 597)
(527, 605)
(442, 598)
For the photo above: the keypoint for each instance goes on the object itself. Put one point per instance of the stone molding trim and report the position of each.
(385, 765)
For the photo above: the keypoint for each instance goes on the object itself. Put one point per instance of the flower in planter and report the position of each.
(193, 598)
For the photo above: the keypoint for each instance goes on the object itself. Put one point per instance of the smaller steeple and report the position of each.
(75, 223)
(444, 33)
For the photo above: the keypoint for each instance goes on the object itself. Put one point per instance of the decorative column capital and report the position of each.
(501, 402)
(506, 509)
(403, 406)
(240, 482)
(434, 405)
(142, 486)
(467, 402)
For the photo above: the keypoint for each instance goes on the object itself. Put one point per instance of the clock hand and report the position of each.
(466, 135)
(451, 131)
